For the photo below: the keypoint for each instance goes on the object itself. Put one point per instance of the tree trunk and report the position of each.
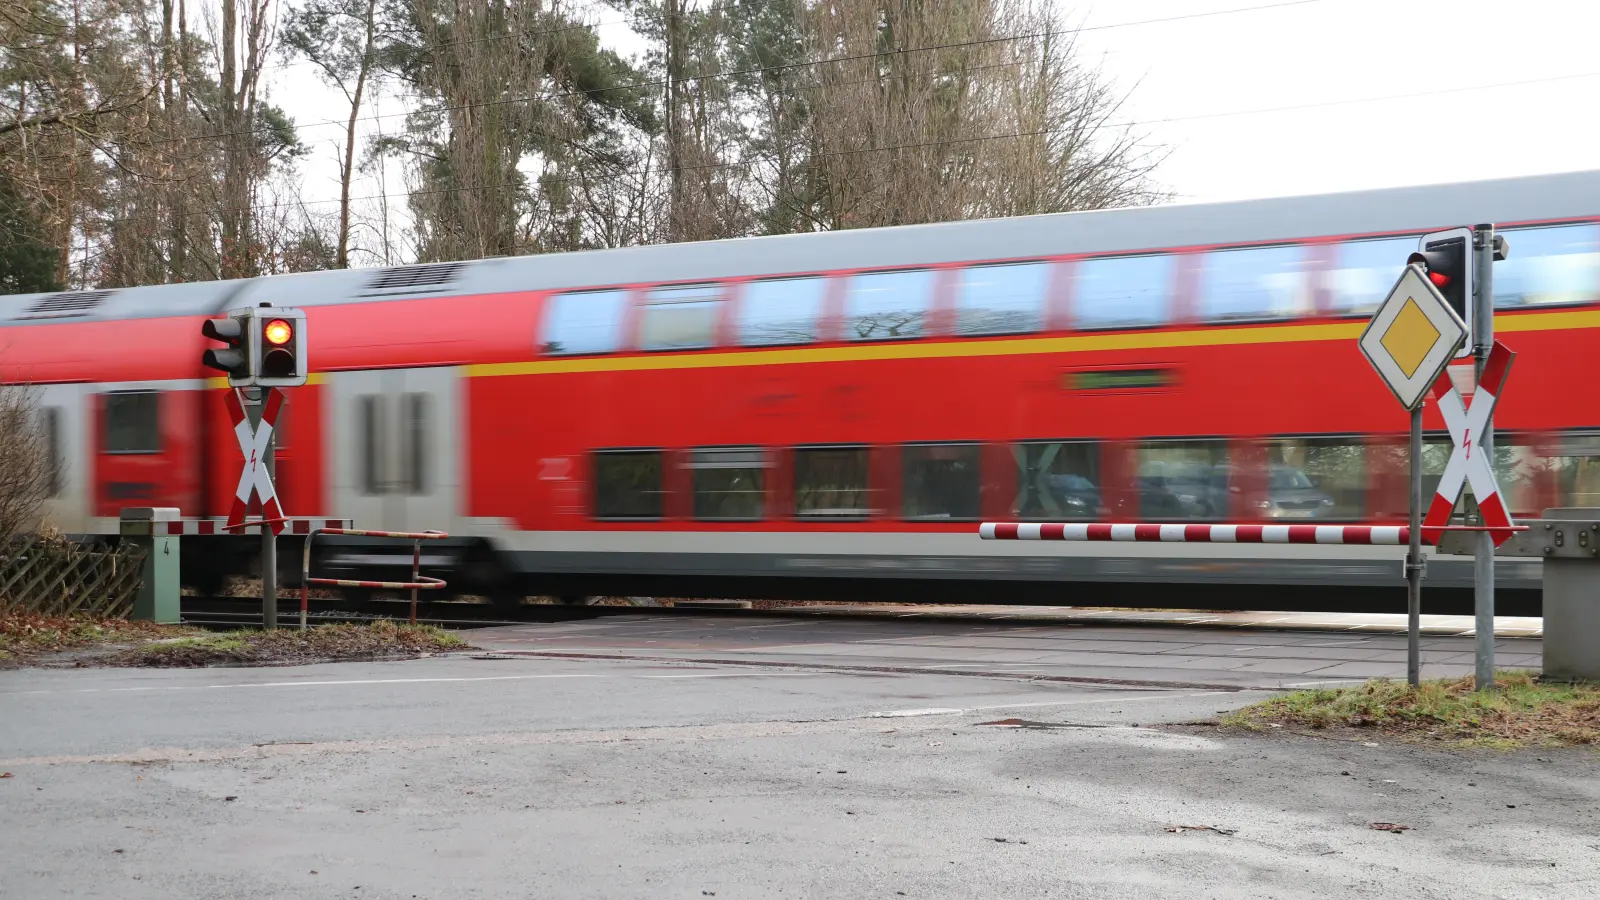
(342, 260)
(675, 201)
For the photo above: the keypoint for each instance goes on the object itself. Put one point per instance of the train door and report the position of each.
(395, 438)
(62, 411)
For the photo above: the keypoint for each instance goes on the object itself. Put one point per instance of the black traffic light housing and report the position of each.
(1446, 256)
(234, 357)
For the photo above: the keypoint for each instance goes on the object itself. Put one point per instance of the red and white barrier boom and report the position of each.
(1197, 534)
(1468, 463)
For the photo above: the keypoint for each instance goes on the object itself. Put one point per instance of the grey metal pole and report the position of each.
(1483, 561)
(1414, 558)
(269, 552)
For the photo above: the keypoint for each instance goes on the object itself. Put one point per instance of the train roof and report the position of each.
(1393, 210)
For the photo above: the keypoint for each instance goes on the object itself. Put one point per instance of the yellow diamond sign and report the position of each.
(1412, 337)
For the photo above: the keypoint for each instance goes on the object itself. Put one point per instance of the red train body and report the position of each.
(829, 415)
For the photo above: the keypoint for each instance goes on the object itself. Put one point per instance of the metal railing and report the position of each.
(418, 582)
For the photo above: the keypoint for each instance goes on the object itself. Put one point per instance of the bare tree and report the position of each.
(338, 36)
(27, 469)
(935, 110)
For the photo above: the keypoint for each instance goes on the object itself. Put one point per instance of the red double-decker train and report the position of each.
(830, 415)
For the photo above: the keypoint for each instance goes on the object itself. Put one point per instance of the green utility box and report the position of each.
(158, 591)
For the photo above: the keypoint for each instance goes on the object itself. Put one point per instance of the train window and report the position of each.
(1312, 478)
(584, 322)
(1123, 291)
(830, 482)
(55, 459)
(415, 428)
(1057, 481)
(627, 484)
(133, 422)
(1577, 470)
(888, 306)
(1184, 480)
(1364, 273)
(781, 311)
(1254, 283)
(729, 485)
(1548, 266)
(683, 317)
(372, 475)
(1008, 299)
(940, 481)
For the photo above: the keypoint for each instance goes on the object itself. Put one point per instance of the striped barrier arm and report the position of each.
(1197, 534)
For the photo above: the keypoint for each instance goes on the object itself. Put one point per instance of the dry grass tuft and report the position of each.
(1521, 711)
(379, 640)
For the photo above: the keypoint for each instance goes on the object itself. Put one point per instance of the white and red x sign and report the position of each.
(255, 479)
(1468, 463)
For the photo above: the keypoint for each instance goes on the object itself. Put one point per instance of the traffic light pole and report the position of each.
(269, 556)
(1483, 250)
(269, 538)
(1414, 558)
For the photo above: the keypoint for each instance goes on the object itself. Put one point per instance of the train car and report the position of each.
(830, 415)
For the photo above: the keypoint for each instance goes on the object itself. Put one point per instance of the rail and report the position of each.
(418, 582)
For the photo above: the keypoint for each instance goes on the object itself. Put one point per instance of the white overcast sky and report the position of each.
(1299, 98)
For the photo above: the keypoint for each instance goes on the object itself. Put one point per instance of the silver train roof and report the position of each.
(1409, 209)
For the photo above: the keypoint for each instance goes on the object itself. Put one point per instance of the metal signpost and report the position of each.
(1487, 247)
(254, 434)
(1410, 340)
(264, 348)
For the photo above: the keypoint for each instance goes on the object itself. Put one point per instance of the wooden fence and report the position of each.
(54, 577)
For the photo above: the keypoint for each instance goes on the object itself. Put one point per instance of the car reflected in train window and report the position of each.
(1547, 266)
(888, 306)
(584, 322)
(1254, 283)
(781, 311)
(1003, 299)
(1123, 291)
(1057, 481)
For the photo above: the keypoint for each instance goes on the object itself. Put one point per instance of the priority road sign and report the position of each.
(1412, 337)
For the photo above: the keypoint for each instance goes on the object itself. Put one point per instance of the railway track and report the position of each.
(243, 612)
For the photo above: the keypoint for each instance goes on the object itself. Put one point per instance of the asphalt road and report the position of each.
(546, 776)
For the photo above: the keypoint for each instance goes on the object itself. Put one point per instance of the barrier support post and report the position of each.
(418, 580)
(1414, 558)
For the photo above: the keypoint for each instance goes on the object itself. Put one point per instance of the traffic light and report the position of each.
(282, 345)
(1446, 256)
(234, 358)
(265, 347)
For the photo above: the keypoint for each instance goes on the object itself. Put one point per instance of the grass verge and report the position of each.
(378, 640)
(1521, 711)
(25, 634)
